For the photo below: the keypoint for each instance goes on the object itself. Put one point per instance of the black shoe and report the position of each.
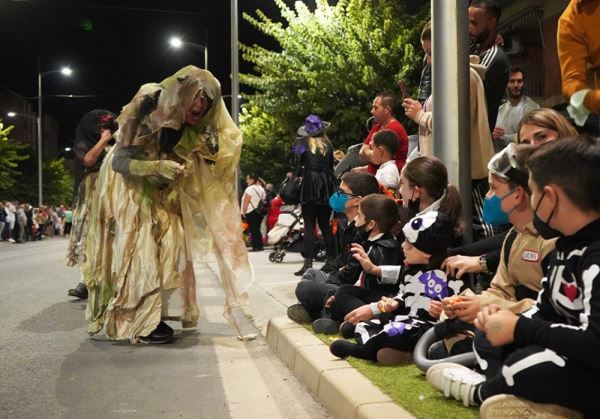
(342, 348)
(347, 330)
(80, 291)
(299, 314)
(164, 328)
(329, 266)
(326, 326)
(157, 337)
(301, 271)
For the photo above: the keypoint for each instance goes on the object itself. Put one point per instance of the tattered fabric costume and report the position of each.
(148, 232)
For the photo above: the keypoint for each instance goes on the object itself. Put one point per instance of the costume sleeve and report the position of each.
(390, 273)
(579, 343)
(573, 57)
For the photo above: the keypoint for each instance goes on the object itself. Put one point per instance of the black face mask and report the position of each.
(543, 227)
(362, 234)
(413, 206)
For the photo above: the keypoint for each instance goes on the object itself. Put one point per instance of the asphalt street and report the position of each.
(51, 368)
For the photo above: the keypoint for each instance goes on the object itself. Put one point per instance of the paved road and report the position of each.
(50, 368)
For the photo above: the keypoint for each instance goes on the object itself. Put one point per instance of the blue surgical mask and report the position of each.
(338, 201)
(492, 210)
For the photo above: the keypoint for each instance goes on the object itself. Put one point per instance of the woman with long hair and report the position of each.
(313, 162)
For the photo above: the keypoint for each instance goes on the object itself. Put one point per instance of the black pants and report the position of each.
(537, 374)
(313, 215)
(350, 297)
(406, 341)
(254, 220)
(313, 295)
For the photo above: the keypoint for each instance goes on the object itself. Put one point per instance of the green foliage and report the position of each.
(332, 63)
(57, 183)
(11, 153)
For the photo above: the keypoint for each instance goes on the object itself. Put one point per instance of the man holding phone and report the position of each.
(383, 112)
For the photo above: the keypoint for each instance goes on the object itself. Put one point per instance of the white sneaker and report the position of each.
(504, 406)
(11, 240)
(455, 380)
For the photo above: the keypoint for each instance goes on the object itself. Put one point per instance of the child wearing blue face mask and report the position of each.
(317, 285)
(524, 252)
(377, 214)
(550, 353)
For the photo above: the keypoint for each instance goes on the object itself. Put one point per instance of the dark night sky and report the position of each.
(126, 47)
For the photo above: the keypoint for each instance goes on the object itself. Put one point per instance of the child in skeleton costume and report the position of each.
(400, 321)
(550, 353)
(166, 201)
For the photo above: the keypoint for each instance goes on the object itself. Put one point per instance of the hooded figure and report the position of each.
(166, 201)
(94, 131)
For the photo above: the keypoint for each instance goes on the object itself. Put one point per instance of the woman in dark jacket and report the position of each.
(313, 162)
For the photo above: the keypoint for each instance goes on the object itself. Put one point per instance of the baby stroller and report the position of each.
(288, 233)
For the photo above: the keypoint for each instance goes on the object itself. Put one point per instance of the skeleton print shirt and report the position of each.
(566, 317)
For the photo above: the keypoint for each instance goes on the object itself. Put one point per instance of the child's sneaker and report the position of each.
(299, 314)
(509, 406)
(455, 380)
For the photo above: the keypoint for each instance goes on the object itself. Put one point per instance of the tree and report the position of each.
(332, 63)
(57, 182)
(11, 153)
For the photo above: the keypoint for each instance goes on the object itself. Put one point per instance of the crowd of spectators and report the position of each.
(21, 222)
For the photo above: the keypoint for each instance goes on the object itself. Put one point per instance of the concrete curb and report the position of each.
(328, 377)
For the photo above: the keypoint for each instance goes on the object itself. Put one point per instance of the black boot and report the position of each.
(307, 265)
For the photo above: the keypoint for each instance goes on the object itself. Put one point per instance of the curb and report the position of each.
(345, 392)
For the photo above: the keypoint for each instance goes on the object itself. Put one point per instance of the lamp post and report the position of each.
(66, 71)
(176, 42)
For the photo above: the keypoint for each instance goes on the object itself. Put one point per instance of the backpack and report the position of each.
(262, 208)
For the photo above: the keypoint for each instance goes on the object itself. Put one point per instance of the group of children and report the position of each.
(536, 324)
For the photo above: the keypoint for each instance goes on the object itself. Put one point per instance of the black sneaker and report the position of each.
(347, 330)
(326, 326)
(342, 348)
(157, 337)
(80, 291)
(299, 314)
(164, 329)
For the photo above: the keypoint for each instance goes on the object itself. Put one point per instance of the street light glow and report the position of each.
(175, 42)
(11, 114)
(66, 71)
(67, 148)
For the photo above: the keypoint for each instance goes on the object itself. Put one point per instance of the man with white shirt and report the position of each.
(512, 111)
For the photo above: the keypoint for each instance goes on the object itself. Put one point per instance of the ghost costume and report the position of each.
(147, 232)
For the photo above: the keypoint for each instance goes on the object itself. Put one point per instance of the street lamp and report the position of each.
(66, 71)
(176, 42)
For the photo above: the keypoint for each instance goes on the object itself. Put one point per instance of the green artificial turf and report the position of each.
(406, 385)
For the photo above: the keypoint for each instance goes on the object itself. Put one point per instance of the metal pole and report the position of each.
(450, 78)
(234, 79)
(39, 134)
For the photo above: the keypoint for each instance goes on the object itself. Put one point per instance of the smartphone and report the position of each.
(403, 90)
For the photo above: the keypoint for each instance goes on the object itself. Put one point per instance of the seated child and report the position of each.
(315, 287)
(400, 321)
(550, 353)
(385, 145)
(518, 279)
(377, 214)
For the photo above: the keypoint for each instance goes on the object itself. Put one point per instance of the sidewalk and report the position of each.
(326, 376)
